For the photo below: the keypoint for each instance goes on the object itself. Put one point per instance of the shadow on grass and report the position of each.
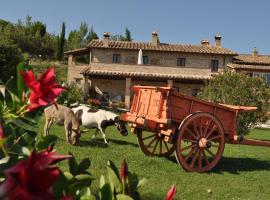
(235, 165)
(100, 143)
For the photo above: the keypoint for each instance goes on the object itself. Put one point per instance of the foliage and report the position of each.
(240, 89)
(61, 43)
(72, 94)
(10, 56)
(120, 37)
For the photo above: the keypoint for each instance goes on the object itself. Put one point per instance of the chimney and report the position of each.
(255, 53)
(106, 37)
(218, 40)
(155, 39)
(205, 43)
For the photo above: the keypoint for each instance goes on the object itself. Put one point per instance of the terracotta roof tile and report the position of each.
(80, 51)
(163, 47)
(250, 59)
(147, 71)
(239, 66)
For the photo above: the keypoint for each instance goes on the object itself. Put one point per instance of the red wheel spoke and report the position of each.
(166, 145)
(154, 149)
(160, 146)
(196, 129)
(149, 137)
(188, 147)
(194, 158)
(149, 144)
(214, 145)
(188, 155)
(200, 159)
(207, 127)
(211, 131)
(190, 132)
(213, 138)
(205, 157)
(201, 131)
(210, 152)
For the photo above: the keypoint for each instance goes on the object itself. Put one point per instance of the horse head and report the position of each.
(121, 126)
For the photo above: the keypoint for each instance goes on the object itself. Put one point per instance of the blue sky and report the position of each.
(243, 24)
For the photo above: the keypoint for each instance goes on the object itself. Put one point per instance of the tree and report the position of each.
(61, 43)
(92, 35)
(120, 37)
(240, 89)
(128, 35)
(10, 56)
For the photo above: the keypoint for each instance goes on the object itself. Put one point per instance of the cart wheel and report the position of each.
(153, 145)
(200, 142)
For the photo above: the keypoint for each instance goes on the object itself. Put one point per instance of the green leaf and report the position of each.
(105, 192)
(20, 82)
(114, 180)
(28, 138)
(2, 98)
(24, 125)
(68, 176)
(60, 187)
(84, 164)
(85, 191)
(102, 181)
(26, 151)
(46, 141)
(123, 197)
(113, 167)
(83, 177)
(11, 86)
(73, 165)
(141, 182)
(8, 99)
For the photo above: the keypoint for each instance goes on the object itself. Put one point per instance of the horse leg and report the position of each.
(95, 134)
(47, 126)
(103, 135)
(68, 132)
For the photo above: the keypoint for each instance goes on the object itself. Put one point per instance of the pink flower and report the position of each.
(124, 170)
(171, 193)
(32, 178)
(1, 129)
(44, 90)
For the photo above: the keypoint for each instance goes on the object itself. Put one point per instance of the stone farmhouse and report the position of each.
(115, 66)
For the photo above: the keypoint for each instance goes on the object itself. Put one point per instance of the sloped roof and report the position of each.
(162, 47)
(253, 67)
(251, 59)
(143, 71)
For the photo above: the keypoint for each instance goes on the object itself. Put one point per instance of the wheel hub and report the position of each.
(204, 143)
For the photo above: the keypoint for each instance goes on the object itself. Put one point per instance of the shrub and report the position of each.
(72, 94)
(240, 89)
(10, 56)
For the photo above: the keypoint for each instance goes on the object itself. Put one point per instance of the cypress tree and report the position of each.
(61, 43)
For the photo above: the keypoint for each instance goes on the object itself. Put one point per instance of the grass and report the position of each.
(39, 66)
(242, 173)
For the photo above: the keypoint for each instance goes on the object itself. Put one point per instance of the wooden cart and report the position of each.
(165, 120)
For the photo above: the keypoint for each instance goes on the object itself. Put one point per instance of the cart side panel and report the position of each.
(150, 103)
(182, 106)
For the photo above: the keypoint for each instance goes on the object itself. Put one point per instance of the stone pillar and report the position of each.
(71, 60)
(86, 89)
(127, 93)
(71, 63)
(170, 83)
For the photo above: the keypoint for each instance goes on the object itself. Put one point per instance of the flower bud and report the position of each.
(171, 193)
(124, 170)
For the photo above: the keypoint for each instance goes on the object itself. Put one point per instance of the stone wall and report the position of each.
(74, 73)
(159, 58)
(117, 87)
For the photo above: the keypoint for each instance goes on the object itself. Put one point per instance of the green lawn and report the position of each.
(243, 172)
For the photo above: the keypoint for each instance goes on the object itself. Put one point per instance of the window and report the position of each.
(181, 62)
(145, 60)
(256, 74)
(195, 92)
(214, 65)
(267, 78)
(116, 58)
